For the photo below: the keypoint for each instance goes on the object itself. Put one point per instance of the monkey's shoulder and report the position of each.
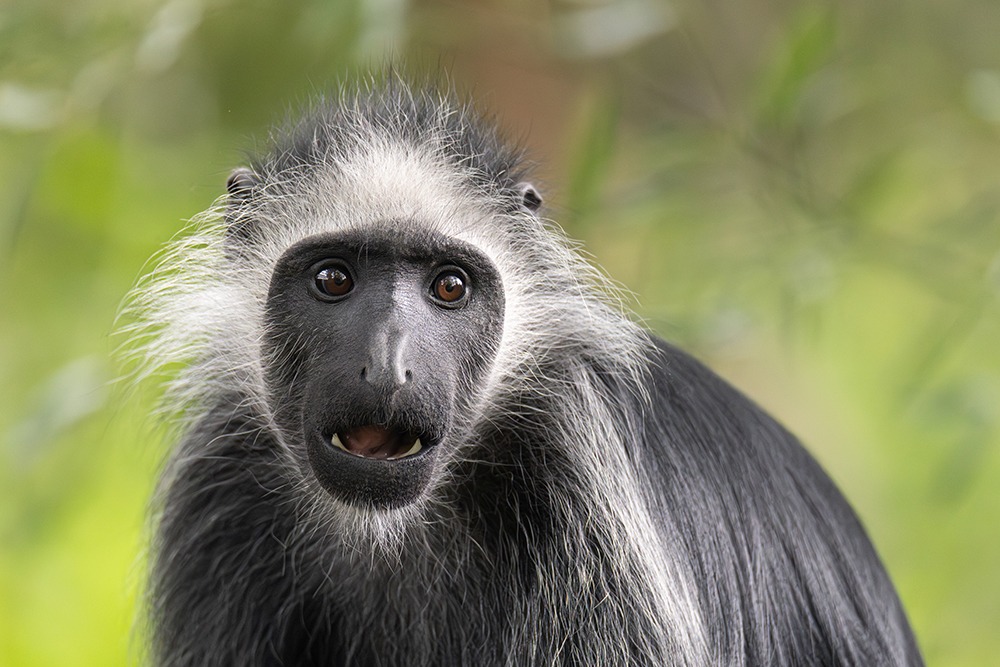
(686, 393)
(700, 424)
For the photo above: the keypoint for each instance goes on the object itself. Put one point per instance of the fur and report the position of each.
(615, 503)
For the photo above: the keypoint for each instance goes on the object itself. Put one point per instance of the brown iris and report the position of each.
(334, 281)
(449, 287)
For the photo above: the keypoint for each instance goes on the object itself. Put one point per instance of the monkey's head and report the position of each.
(377, 341)
(374, 294)
(375, 238)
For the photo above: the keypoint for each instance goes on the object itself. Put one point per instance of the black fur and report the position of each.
(523, 550)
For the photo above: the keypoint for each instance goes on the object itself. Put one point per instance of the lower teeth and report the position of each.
(416, 447)
(410, 452)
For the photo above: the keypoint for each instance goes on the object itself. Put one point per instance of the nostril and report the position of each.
(364, 372)
(409, 376)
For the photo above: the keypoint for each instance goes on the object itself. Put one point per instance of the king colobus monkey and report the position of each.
(418, 431)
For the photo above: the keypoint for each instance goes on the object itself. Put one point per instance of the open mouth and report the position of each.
(377, 442)
(375, 466)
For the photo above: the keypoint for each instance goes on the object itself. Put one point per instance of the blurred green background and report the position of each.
(806, 194)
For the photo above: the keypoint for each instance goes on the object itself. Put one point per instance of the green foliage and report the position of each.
(805, 194)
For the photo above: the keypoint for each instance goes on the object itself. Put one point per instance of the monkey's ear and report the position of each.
(530, 198)
(240, 183)
(240, 186)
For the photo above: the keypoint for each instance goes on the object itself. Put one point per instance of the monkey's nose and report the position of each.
(386, 368)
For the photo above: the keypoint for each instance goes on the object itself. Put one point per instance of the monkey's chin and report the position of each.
(369, 481)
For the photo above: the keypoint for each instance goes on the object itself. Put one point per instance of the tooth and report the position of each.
(410, 452)
(414, 449)
(335, 441)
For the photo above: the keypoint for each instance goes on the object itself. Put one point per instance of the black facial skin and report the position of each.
(386, 354)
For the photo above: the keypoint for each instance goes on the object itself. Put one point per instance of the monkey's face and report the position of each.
(377, 344)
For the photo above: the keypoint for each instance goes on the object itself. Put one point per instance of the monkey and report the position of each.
(415, 426)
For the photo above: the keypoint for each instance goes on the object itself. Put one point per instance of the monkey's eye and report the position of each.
(449, 287)
(334, 281)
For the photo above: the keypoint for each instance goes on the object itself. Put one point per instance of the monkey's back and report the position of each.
(781, 561)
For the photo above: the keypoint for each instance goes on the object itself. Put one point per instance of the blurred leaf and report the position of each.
(966, 413)
(74, 392)
(595, 145)
(806, 47)
(868, 189)
(610, 27)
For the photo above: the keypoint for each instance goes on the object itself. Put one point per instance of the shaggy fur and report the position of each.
(614, 502)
